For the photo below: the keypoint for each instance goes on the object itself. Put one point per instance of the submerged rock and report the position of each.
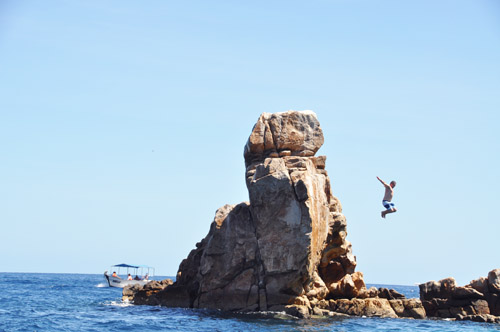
(285, 249)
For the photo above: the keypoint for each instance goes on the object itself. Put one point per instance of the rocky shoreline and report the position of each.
(478, 301)
(386, 303)
(284, 250)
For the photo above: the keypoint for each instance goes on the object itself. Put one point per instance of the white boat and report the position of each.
(134, 275)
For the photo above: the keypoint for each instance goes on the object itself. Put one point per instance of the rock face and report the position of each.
(286, 249)
(477, 301)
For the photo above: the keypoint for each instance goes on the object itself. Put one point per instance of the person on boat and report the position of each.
(388, 195)
(146, 277)
(129, 277)
(115, 275)
(137, 277)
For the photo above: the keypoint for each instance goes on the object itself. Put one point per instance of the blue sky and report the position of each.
(123, 124)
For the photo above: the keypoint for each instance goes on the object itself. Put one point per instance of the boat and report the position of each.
(120, 280)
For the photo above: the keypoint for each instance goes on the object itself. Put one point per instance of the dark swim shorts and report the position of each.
(388, 205)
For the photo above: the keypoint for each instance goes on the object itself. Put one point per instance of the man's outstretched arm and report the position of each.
(385, 184)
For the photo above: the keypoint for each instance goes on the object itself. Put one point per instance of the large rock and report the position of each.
(410, 308)
(373, 307)
(284, 134)
(494, 281)
(143, 294)
(477, 301)
(285, 249)
(389, 294)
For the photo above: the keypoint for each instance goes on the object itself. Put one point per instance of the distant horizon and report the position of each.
(172, 276)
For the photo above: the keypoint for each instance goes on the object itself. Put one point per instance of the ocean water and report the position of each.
(83, 302)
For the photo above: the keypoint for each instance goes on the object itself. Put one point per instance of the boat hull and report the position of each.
(120, 283)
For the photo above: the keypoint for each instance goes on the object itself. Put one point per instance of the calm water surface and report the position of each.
(63, 302)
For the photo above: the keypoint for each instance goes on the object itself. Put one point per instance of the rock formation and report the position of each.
(477, 301)
(284, 250)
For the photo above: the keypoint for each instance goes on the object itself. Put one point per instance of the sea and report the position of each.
(84, 302)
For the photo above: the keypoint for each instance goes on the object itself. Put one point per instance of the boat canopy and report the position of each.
(132, 266)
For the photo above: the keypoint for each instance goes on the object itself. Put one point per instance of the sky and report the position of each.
(122, 126)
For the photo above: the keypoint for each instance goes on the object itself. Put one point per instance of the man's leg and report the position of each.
(389, 208)
(386, 212)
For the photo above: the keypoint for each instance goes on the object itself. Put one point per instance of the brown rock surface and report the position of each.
(477, 301)
(494, 281)
(143, 294)
(411, 308)
(288, 133)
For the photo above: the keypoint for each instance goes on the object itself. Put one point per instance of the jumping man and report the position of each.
(389, 193)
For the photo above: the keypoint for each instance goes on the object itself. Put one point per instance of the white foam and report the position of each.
(102, 284)
(119, 304)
